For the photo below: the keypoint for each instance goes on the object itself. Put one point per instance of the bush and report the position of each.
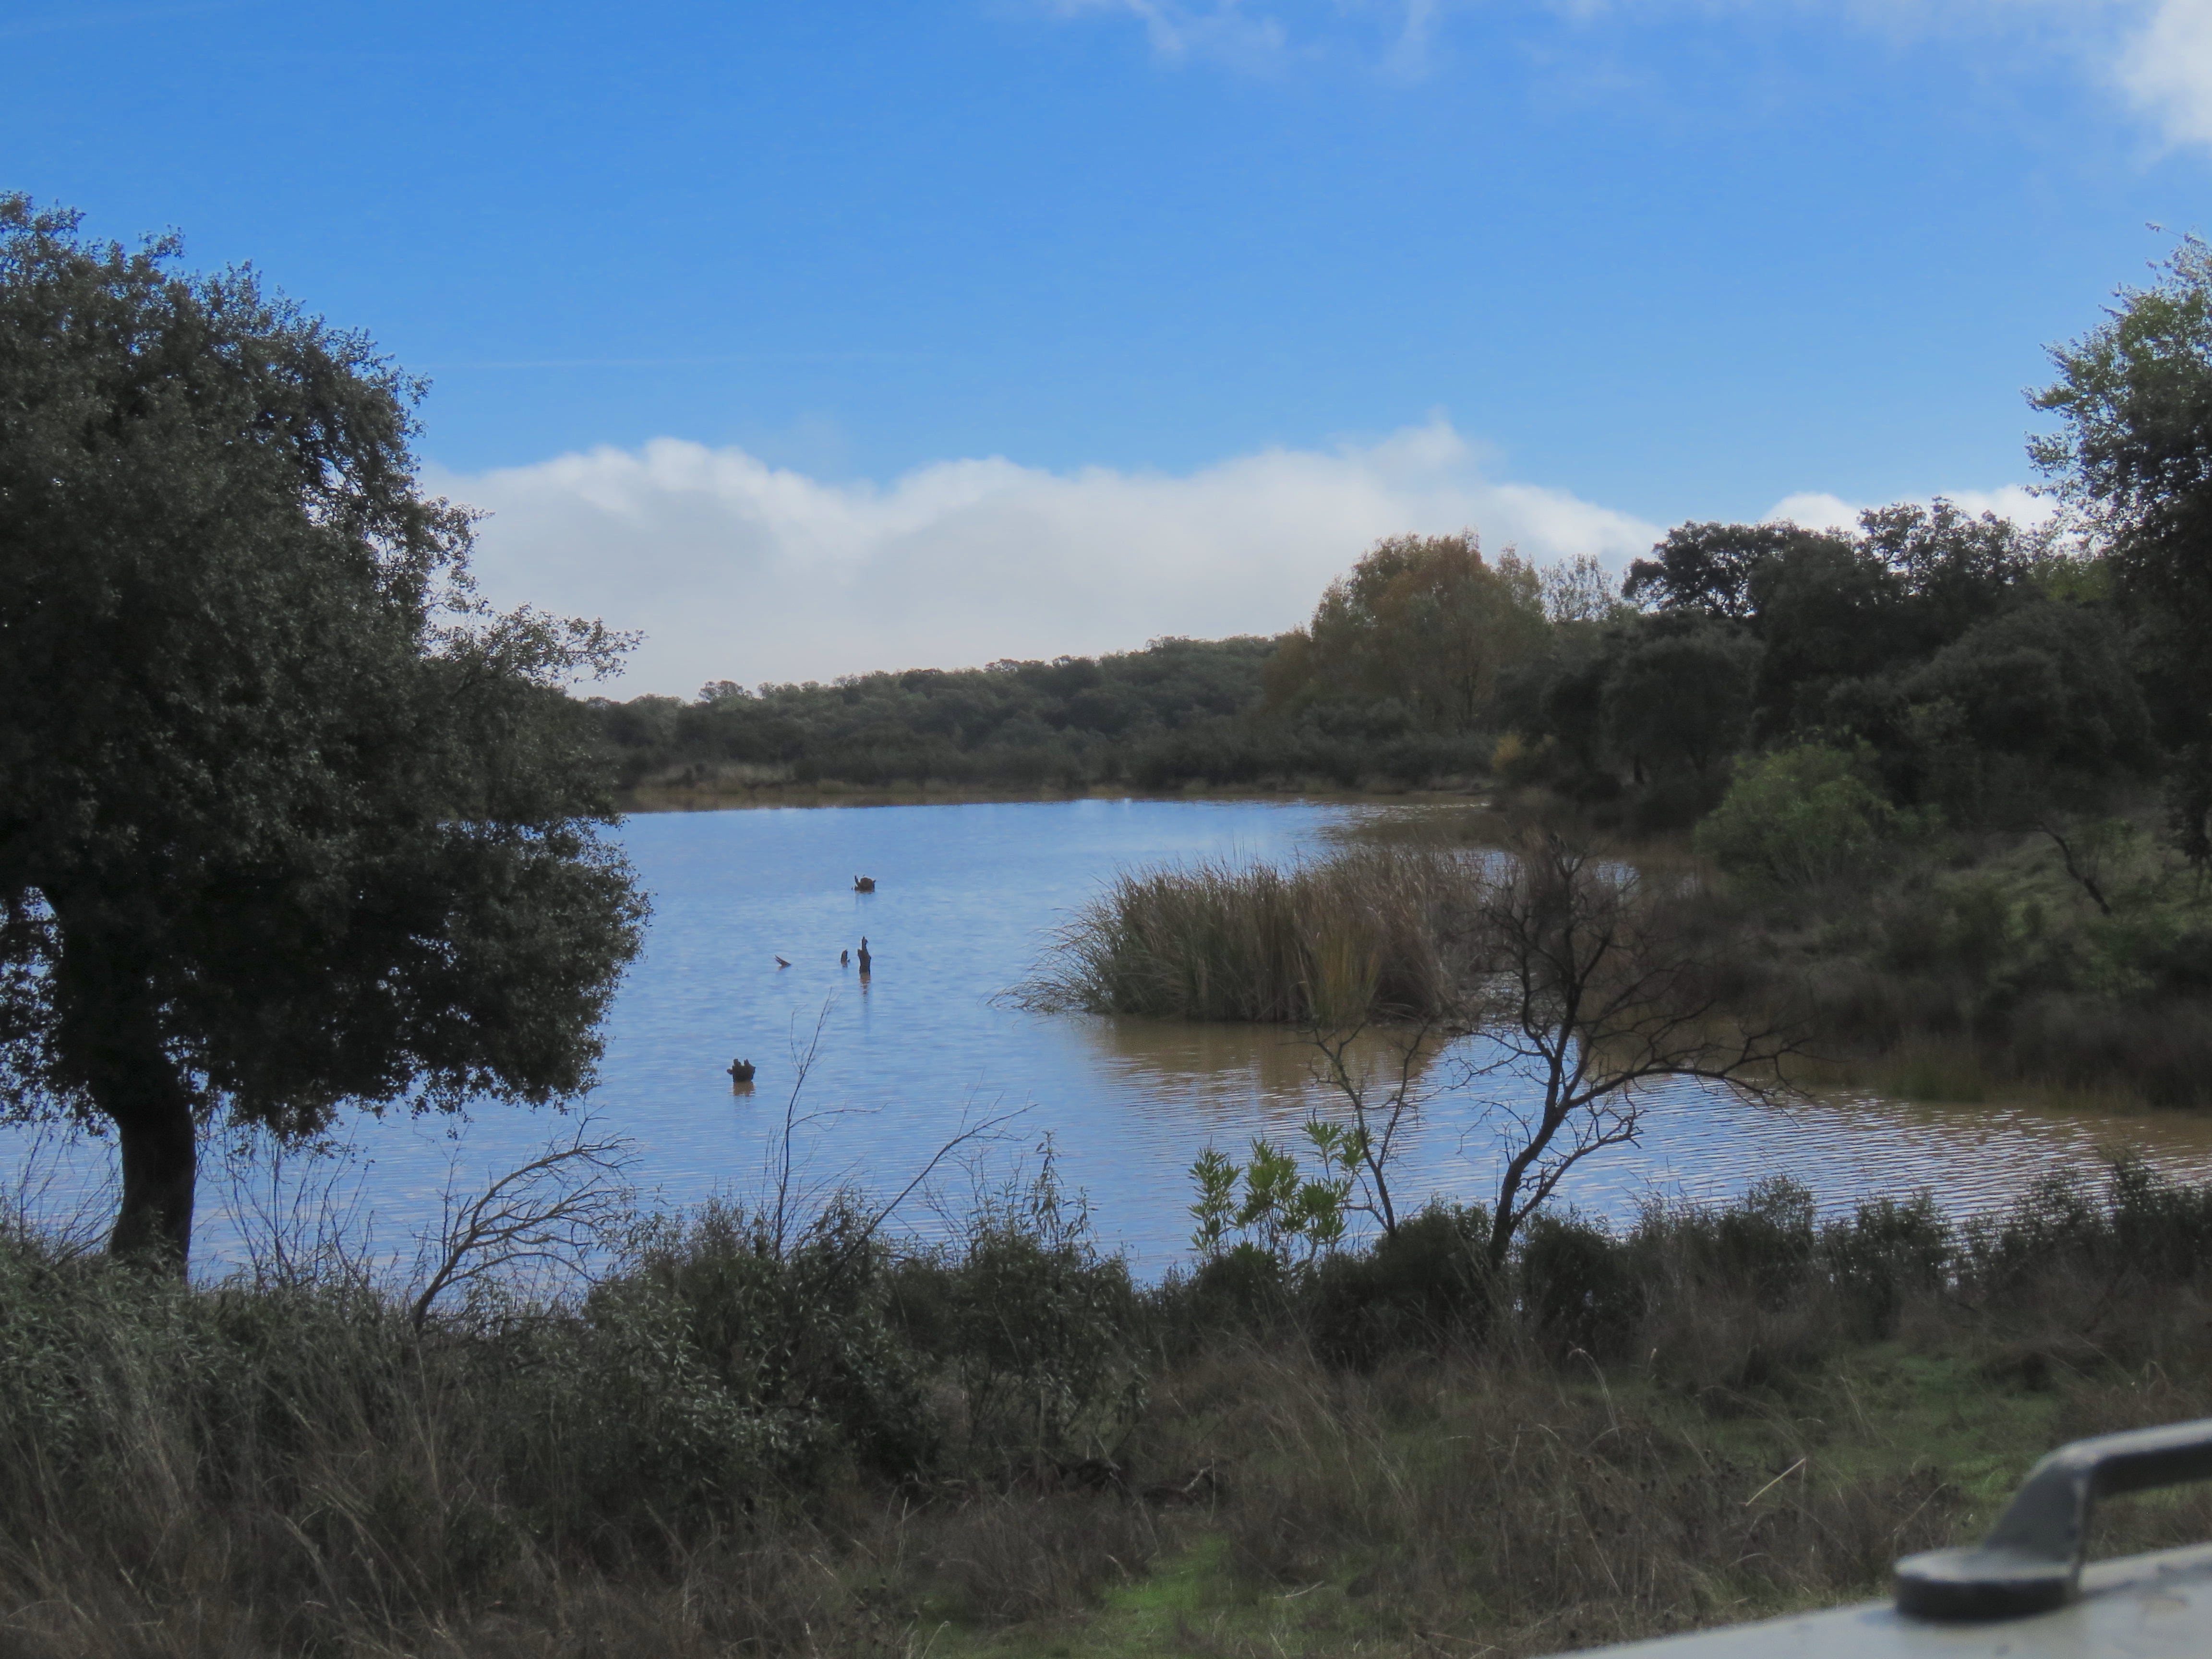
(1798, 815)
(744, 1442)
(1578, 1286)
(1887, 1252)
(1416, 1289)
(1036, 1327)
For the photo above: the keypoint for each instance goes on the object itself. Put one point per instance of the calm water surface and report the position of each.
(927, 1048)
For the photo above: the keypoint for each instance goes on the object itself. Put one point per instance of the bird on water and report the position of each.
(781, 962)
(844, 959)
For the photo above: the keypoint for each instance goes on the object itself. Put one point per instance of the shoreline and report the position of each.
(830, 792)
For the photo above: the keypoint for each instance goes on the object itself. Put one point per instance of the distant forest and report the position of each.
(1179, 712)
(1971, 666)
(1794, 687)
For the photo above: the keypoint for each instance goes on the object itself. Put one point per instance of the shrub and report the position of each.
(1415, 1289)
(1887, 1252)
(1036, 1327)
(1797, 815)
(1578, 1286)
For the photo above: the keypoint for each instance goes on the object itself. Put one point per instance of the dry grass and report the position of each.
(1726, 1414)
(1371, 932)
(1501, 1504)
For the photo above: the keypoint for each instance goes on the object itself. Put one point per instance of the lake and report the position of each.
(928, 1048)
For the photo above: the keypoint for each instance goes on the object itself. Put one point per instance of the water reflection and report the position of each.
(965, 896)
(1699, 1143)
(1243, 1078)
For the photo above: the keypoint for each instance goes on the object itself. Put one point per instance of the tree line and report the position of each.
(1969, 667)
(1984, 666)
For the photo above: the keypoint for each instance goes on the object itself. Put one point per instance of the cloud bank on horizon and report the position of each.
(1816, 509)
(734, 569)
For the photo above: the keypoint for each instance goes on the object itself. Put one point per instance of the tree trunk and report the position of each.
(161, 1162)
(111, 1036)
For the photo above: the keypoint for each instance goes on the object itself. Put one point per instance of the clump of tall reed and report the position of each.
(1370, 932)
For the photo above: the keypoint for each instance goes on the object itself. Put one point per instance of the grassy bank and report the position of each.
(841, 1444)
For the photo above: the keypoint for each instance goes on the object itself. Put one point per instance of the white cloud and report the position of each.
(2014, 502)
(1225, 30)
(1818, 510)
(2166, 68)
(737, 570)
(2156, 54)
(1258, 37)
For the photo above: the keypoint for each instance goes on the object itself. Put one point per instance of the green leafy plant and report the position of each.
(1286, 1215)
(1801, 814)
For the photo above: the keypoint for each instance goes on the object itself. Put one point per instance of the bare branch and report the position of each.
(1590, 989)
(547, 1215)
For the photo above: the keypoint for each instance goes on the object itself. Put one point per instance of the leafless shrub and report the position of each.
(543, 1219)
(299, 1212)
(1592, 987)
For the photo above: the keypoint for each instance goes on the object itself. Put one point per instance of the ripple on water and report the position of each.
(964, 897)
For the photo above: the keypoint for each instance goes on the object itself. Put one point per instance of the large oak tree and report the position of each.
(288, 818)
(2134, 457)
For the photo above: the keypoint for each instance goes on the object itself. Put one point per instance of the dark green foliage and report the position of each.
(796, 1332)
(1797, 816)
(1708, 567)
(2189, 806)
(1036, 1327)
(739, 1442)
(2022, 707)
(1983, 674)
(286, 817)
(1577, 1286)
(2142, 1230)
(1411, 639)
(2136, 398)
(1955, 569)
(1393, 682)
(1680, 699)
(1888, 1252)
(1425, 1286)
(1767, 1242)
(1245, 1287)
(1827, 612)
(1162, 712)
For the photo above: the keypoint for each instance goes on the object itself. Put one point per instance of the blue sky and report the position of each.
(814, 339)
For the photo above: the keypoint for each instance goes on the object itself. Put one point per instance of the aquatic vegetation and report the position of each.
(1373, 932)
